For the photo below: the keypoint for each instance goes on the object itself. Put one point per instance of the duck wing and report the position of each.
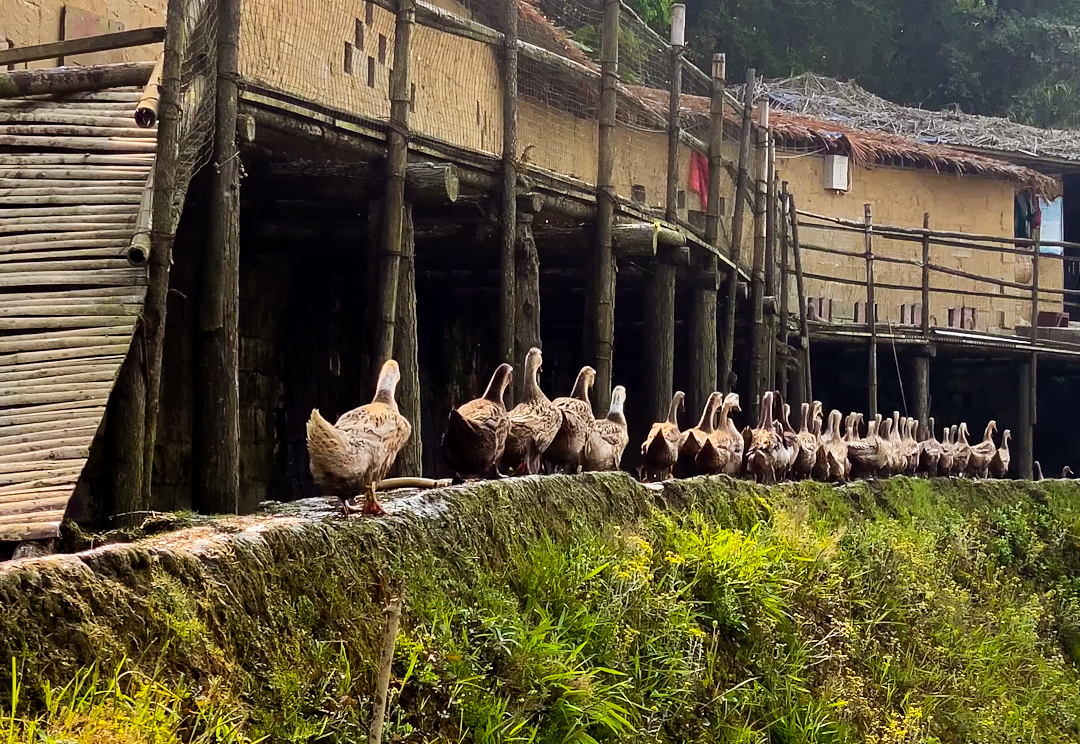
(359, 449)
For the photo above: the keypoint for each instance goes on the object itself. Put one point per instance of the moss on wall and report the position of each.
(587, 607)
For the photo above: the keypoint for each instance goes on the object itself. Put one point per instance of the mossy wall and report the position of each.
(586, 608)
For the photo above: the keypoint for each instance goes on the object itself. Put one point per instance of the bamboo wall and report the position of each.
(28, 22)
(900, 197)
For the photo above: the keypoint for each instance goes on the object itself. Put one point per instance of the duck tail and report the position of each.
(326, 446)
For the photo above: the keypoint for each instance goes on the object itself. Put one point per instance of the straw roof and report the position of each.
(864, 146)
(847, 103)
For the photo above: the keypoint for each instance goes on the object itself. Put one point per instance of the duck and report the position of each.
(852, 425)
(806, 448)
(835, 449)
(948, 453)
(533, 423)
(982, 453)
(911, 446)
(999, 465)
(350, 456)
(869, 456)
(1037, 471)
(785, 455)
(660, 450)
(961, 450)
(765, 442)
(568, 448)
(1066, 472)
(608, 437)
(692, 440)
(476, 432)
(929, 452)
(723, 449)
(897, 459)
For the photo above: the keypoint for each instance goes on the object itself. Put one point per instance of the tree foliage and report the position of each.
(1016, 58)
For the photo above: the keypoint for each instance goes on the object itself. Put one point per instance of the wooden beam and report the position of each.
(59, 80)
(86, 45)
(394, 205)
(1025, 435)
(758, 335)
(527, 295)
(921, 374)
(800, 291)
(603, 300)
(406, 345)
(783, 224)
(871, 313)
(216, 420)
(508, 252)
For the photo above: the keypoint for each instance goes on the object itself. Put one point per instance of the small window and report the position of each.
(412, 97)
(680, 199)
(369, 12)
(371, 72)
(637, 194)
(348, 64)
(382, 49)
(359, 41)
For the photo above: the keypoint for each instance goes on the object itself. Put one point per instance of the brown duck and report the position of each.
(723, 450)
(350, 457)
(835, 449)
(476, 432)
(533, 423)
(929, 452)
(608, 438)
(568, 448)
(982, 453)
(660, 449)
(961, 449)
(692, 440)
(999, 466)
(765, 442)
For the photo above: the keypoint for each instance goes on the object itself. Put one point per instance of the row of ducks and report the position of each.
(484, 439)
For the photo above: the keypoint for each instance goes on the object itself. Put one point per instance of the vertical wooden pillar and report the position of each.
(785, 287)
(704, 356)
(758, 330)
(771, 248)
(804, 325)
(507, 272)
(527, 293)
(216, 420)
(871, 311)
(410, 460)
(604, 258)
(921, 369)
(397, 146)
(166, 167)
(1025, 436)
(126, 423)
(926, 277)
(742, 184)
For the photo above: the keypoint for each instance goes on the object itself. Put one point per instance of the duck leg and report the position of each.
(371, 504)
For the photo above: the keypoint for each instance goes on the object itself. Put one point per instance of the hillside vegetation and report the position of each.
(573, 609)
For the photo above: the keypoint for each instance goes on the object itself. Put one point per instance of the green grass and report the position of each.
(894, 612)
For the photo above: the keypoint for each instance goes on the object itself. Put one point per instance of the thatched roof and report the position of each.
(864, 146)
(847, 103)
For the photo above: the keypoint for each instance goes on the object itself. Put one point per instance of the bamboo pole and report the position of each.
(925, 316)
(871, 309)
(758, 330)
(386, 662)
(804, 325)
(216, 420)
(394, 203)
(604, 257)
(703, 321)
(166, 172)
(508, 273)
(63, 80)
(147, 108)
(785, 287)
(741, 185)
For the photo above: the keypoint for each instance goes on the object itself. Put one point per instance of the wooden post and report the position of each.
(1025, 439)
(926, 277)
(216, 416)
(804, 325)
(397, 147)
(386, 663)
(410, 460)
(921, 364)
(507, 273)
(603, 334)
(871, 314)
(704, 355)
(527, 293)
(742, 184)
(660, 296)
(126, 427)
(166, 167)
(785, 287)
(771, 265)
(758, 331)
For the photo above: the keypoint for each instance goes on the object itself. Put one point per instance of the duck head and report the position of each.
(584, 382)
(389, 377)
(499, 381)
(677, 404)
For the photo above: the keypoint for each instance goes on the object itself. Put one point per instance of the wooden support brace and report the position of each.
(58, 80)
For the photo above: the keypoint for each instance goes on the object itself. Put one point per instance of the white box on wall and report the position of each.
(835, 173)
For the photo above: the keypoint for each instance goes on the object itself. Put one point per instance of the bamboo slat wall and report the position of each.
(73, 176)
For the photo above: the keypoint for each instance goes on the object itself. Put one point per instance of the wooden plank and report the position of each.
(25, 199)
(85, 352)
(65, 80)
(57, 159)
(62, 322)
(104, 144)
(74, 296)
(41, 483)
(103, 43)
(50, 437)
(55, 117)
(66, 132)
(57, 373)
(87, 393)
(29, 263)
(21, 259)
(72, 450)
(68, 239)
(116, 95)
(39, 313)
(80, 190)
(23, 473)
(65, 211)
(50, 428)
(58, 225)
(138, 174)
(21, 532)
(50, 411)
(44, 512)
